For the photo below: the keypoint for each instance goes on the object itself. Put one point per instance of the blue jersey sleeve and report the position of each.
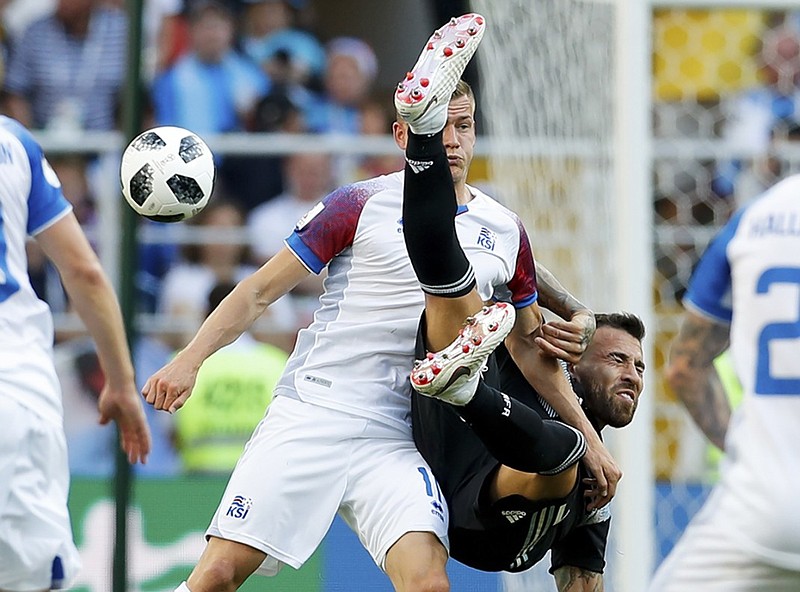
(710, 287)
(46, 202)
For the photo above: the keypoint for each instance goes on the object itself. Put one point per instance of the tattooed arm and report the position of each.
(575, 579)
(554, 297)
(567, 340)
(563, 339)
(693, 378)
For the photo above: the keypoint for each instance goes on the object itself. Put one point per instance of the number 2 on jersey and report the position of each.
(766, 383)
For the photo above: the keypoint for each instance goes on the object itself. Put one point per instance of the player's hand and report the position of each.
(123, 406)
(568, 339)
(169, 388)
(606, 475)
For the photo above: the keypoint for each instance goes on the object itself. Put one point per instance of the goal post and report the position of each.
(565, 103)
(632, 248)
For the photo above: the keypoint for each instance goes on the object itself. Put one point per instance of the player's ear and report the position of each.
(400, 133)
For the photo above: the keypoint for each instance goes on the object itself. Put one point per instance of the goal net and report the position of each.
(546, 103)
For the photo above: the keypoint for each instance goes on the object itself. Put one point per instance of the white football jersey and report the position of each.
(750, 277)
(30, 201)
(358, 352)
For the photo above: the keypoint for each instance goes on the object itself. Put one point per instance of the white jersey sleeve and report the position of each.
(30, 201)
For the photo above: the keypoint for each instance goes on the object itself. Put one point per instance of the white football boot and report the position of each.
(422, 96)
(452, 374)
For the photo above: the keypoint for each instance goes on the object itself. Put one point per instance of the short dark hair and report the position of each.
(625, 321)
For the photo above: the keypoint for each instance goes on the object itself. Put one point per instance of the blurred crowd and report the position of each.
(260, 66)
(214, 67)
(745, 135)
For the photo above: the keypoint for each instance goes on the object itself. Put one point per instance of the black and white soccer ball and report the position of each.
(167, 174)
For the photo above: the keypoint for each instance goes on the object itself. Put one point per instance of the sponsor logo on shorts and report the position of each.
(506, 405)
(239, 507)
(438, 510)
(513, 515)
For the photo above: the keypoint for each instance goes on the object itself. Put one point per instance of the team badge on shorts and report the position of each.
(239, 508)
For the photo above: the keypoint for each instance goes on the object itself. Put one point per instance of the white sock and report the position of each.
(182, 588)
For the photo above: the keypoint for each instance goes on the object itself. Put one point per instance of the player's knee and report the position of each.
(431, 581)
(216, 575)
(416, 563)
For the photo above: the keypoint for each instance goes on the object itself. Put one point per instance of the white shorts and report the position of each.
(708, 559)
(36, 546)
(305, 463)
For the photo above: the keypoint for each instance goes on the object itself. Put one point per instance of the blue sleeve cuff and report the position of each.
(709, 310)
(528, 301)
(304, 254)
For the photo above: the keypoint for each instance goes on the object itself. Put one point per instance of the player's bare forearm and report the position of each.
(553, 296)
(94, 300)
(569, 338)
(544, 373)
(575, 579)
(246, 303)
(693, 378)
(170, 387)
(232, 317)
(91, 295)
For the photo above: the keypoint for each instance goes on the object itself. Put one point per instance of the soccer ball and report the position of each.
(167, 174)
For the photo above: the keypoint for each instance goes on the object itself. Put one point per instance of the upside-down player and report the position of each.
(511, 479)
